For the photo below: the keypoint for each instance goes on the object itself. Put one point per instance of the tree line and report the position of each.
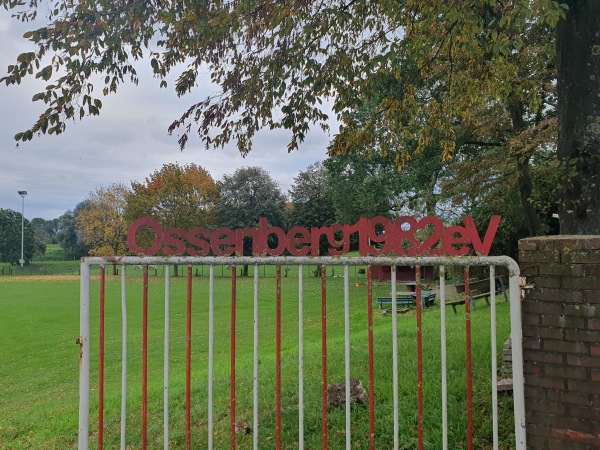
(481, 182)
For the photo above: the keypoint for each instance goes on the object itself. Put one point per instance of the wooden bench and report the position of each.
(408, 299)
(477, 289)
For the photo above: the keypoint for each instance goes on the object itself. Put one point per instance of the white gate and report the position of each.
(280, 400)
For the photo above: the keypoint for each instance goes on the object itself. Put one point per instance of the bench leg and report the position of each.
(501, 288)
(454, 308)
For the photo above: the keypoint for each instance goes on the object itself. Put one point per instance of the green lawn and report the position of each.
(39, 363)
(54, 252)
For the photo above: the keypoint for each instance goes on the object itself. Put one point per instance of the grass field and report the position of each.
(39, 365)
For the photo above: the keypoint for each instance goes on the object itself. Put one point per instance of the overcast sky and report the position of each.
(127, 142)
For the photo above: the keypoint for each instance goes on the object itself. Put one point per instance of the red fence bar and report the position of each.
(469, 361)
(145, 361)
(494, 355)
(419, 306)
(371, 361)
(101, 364)
(278, 360)
(188, 363)
(233, 338)
(324, 356)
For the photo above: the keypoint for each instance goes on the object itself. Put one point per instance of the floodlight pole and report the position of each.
(22, 194)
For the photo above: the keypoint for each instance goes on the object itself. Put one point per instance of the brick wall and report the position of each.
(561, 341)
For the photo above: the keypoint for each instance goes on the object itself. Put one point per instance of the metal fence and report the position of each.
(342, 267)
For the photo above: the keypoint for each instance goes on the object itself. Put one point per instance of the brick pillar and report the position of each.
(561, 341)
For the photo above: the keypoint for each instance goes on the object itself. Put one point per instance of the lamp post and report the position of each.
(22, 194)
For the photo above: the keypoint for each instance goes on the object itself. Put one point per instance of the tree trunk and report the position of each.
(534, 224)
(532, 220)
(578, 87)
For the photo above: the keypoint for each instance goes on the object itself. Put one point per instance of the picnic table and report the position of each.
(477, 289)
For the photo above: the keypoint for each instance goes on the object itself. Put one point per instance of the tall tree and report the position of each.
(45, 230)
(11, 223)
(366, 170)
(312, 200)
(579, 117)
(102, 224)
(41, 236)
(247, 195)
(176, 196)
(67, 235)
(275, 61)
(484, 182)
(361, 187)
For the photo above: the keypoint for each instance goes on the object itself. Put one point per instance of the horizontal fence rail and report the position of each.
(196, 410)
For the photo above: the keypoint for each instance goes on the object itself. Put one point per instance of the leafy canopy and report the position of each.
(102, 224)
(68, 235)
(177, 196)
(273, 63)
(10, 237)
(311, 199)
(247, 195)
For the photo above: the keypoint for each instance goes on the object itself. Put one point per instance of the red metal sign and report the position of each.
(378, 236)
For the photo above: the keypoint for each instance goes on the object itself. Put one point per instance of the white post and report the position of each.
(211, 349)
(347, 356)
(84, 356)
(516, 332)
(22, 194)
(494, 357)
(444, 358)
(124, 356)
(166, 356)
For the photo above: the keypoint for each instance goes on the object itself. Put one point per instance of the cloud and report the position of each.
(127, 142)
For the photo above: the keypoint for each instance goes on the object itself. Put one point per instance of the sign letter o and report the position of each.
(132, 234)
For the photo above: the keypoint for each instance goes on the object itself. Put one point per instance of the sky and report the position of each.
(127, 142)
